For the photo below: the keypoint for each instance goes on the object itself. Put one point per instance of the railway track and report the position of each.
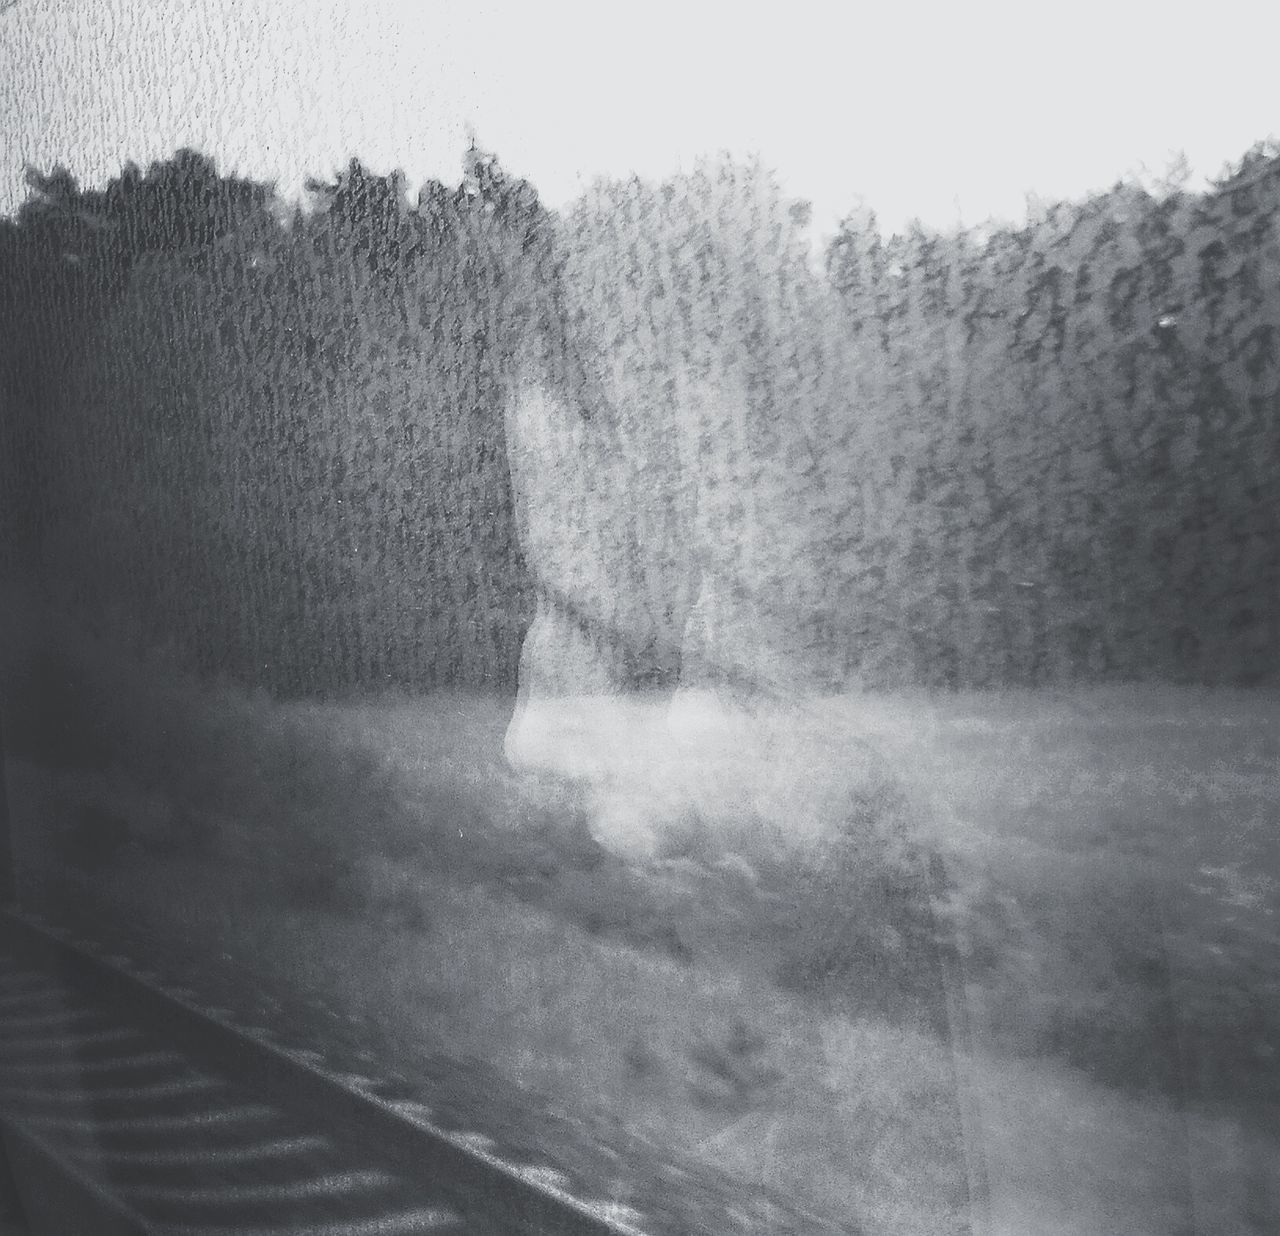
(127, 1109)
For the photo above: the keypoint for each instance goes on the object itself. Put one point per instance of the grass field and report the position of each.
(1117, 855)
(732, 1013)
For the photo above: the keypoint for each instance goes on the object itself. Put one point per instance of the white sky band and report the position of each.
(946, 112)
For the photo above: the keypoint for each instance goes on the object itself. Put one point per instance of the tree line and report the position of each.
(1073, 439)
(274, 438)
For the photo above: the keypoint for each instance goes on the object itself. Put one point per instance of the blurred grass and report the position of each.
(759, 994)
(1118, 857)
(1117, 878)
(332, 805)
(382, 852)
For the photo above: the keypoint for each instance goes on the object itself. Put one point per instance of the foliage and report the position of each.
(275, 441)
(709, 360)
(278, 444)
(1073, 439)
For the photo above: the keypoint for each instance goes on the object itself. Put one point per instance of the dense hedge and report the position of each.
(281, 449)
(691, 514)
(276, 440)
(1073, 440)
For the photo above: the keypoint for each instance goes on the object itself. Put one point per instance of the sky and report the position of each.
(951, 113)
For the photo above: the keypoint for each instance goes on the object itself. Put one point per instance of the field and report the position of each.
(733, 1014)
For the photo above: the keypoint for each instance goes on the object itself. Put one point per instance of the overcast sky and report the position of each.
(944, 111)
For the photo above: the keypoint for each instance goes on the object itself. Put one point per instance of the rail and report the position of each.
(126, 1108)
